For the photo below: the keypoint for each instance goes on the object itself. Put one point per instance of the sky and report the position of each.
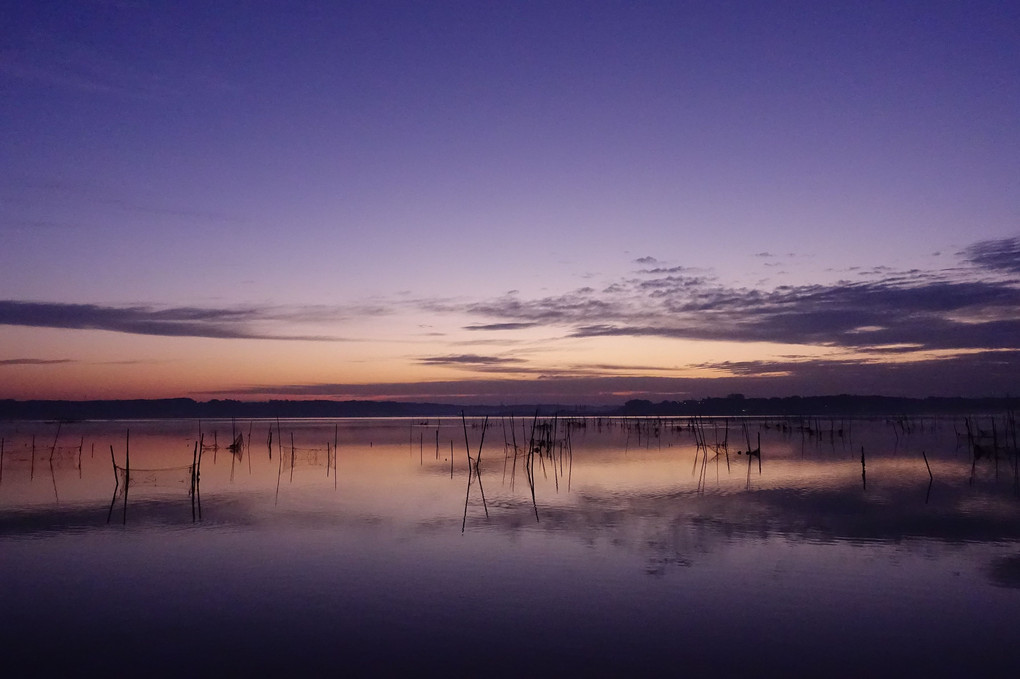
(509, 202)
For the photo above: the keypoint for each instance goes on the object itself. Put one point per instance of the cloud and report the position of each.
(501, 326)
(969, 375)
(996, 255)
(949, 309)
(667, 270)
(48, 191)
(33, 361)
(224, 323)
(467, 359)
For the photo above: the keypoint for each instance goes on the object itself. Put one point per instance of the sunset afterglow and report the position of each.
(509, 202)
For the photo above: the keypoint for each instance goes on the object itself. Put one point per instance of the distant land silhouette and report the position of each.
(734, 405)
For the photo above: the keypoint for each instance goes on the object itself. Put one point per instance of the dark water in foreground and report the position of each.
(634, 552)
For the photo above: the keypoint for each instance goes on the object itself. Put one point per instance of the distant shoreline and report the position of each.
(790, 406)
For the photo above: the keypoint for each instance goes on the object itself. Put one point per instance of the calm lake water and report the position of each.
(617, 547)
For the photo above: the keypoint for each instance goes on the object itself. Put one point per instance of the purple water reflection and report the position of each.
(646, 556)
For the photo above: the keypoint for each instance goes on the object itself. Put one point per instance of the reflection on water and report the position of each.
(590, 546)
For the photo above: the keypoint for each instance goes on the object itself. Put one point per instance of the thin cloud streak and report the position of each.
(468, 359)
(34, 361)
(225, 323)
(501, 326)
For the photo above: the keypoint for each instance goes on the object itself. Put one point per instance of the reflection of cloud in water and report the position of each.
(1004, 571)
(674, 530)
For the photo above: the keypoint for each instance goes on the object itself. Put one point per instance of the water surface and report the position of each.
(628, 548)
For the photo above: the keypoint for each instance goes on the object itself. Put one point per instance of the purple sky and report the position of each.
(511, 201)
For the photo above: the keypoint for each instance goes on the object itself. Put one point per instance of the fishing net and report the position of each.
(306, 457)
(163, 478)
(57, 457)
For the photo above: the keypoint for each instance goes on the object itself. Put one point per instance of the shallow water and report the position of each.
(635, 552)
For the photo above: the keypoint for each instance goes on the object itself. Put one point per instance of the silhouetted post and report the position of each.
(478, 472)
(467, 446)
(127, 471)
(198, 478)
(931, 479)
(53, 448)
(116, 478)
(864, 475)
(194, 468)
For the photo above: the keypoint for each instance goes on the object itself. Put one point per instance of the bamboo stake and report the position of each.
(127, 471)
(864, 475)
(116, 477)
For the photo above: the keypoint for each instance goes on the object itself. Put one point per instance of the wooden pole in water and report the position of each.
(194, 465)
(478, 472)
(279, 464)
(513, 438)
(931, 479)
(864, 475)
(116, 477)
(53, 448)
(198, 478)
(467, 446)
(127, 471)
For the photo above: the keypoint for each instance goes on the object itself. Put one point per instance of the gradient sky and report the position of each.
(509, 201)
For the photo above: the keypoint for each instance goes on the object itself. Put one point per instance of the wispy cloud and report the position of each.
(997, 255)
(468, 359)
(47, 191)
(951, 309)
(501, 326)
(220, 323)
(978, 374)
(34, 361)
